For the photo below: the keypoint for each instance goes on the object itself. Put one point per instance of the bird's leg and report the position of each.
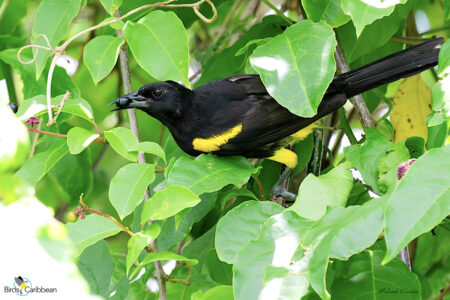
(279, 189)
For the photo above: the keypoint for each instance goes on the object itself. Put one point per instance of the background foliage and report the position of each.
(210, 216)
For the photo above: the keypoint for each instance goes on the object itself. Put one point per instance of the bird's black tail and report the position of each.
(388, 69)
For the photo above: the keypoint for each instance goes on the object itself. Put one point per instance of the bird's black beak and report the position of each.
(131, 100)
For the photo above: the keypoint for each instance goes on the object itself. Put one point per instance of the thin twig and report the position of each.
(443, 292)
(278, 12)
(409, 40)
(47, 132)
(124, 228)
(404, 255)
(360, 105)
(49, 89)
(61, 105)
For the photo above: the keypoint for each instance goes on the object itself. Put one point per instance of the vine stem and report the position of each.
(47, 132)
(126, 79)
(360, 105)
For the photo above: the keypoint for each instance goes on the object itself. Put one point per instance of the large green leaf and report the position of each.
(128, 187)
(91, 230)
(41, 163)
(168, 202)
(100, 55)
(208, 173)
(11, 15)
(151, 148)
(122, 140)
(271, 266)
(328, 10)
(219, 271)
(334, 187)
(340, 234)
(366, 278)
(52, 19)
(420, 201)
(160, 45)
(298, 65)
(223, 292)
(245, 219)
(366, 12)
(96, 265)
(79, 139)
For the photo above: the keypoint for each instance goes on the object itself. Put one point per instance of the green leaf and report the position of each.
(111, 5)
(387, 166)
(14, 140)
(91, 230)
(247, 219)
(437, 130)
(334, 187)
(366, 12)
(41, 163)
(271, 272)
(128, 187)
(79, 139)
(444, 59)
(52, 19)
(276, 246)
(100, 55)
(139, 241)
(366, 157)
(168, 202)
(96, 265)
(219, 271)
(340, 234)
(208, 173)
(328, 10)
(420, 200)
(122, 140)
(167, 255)
(11, 15)
(149, 147)
(366, 278)
(163, 35)
(299, 77)
(222, 292)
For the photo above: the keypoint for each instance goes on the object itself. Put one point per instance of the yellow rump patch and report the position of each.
(213, 143)
(303, 133)
(285, 156)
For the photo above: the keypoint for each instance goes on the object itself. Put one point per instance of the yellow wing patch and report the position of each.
(303, 133)
(285, 156)
(213, 143)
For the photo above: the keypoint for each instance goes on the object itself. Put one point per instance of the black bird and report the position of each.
(236, 115)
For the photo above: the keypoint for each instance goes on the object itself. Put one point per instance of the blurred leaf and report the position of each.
(225, 197)
(366, 278)
(304, 149)
(366, 157)
(91, 230)
(437, 130)
(149, 147)
(223, 292)
(14, 140)
(364, 13)
(208, 173)
(168, 202)
(329, 10)
(219, 271)
(127, 188)
(39, 164)
(12, 14)
(96, 265)
(79, 139)
(139, 241)
(334, 187)
(444, 59)
(341, 234)
(247, 219)
(111, 5)
(100, 55)
(52, 19)
(163, 35)
(412, 104)
(387, 166)
(122, 140)
(420, 200)
(299, 78)
(431, 248)
(276, 244)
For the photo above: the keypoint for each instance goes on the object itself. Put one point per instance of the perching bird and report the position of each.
(237, 116)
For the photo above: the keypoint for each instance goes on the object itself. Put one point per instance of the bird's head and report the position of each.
(163, 100)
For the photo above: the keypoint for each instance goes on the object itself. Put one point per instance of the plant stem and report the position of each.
(360, 105)
(47, 132)
(126, 79)
(278, 12)
(346, 127)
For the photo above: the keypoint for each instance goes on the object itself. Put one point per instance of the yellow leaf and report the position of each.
(412, 104)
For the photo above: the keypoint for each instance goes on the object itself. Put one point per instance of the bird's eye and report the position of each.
(157, 93)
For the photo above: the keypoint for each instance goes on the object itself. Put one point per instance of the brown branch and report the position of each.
(85, 207)
(443, 293)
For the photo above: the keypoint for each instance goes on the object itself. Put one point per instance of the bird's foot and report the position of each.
(279, 193)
